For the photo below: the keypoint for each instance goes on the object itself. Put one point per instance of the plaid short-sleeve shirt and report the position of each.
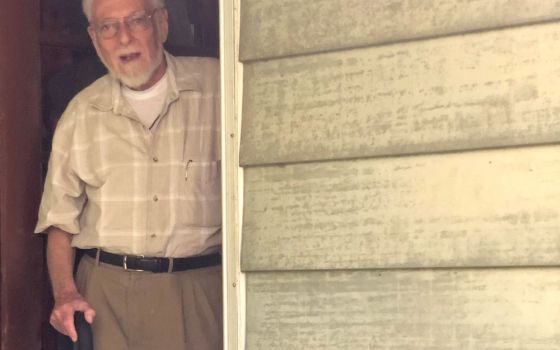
(121, 187)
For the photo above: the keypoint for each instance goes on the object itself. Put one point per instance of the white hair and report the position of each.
(87, 6)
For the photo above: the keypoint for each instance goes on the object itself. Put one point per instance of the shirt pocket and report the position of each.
(201, 193)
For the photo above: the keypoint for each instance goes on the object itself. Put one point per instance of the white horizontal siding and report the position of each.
(502, 309)
(486, 208)
(271, 28)
(391, 200)
(482, 90)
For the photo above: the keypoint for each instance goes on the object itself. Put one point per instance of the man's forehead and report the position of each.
(116, 8)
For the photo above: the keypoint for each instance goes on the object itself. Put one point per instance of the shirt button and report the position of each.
(156, 198)
(155, 159)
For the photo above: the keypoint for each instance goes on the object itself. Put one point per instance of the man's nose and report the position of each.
(124, 34)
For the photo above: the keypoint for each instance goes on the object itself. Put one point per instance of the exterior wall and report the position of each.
(401, 174)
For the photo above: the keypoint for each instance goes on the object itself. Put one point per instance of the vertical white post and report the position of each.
(232, 179)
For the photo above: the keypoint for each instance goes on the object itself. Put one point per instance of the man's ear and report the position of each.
(91, 33)
(163, 25)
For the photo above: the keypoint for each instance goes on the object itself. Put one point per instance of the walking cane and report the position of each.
(83, 328)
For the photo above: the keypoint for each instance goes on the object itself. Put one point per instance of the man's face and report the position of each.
(134, 55)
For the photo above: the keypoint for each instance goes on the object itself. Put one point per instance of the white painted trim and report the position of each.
(232, 181)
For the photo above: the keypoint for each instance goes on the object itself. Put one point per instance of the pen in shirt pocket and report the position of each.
(187, 169)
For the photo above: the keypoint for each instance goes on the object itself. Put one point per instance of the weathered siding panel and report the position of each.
(401, 193)
(465, 92)
(485, 208)
(402, 310)
(271, 28)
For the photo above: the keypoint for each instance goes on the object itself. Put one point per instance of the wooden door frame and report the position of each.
(232, 181)
(22, 285)
(21, 252)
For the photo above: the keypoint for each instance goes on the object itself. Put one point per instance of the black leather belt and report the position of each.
(155, 264)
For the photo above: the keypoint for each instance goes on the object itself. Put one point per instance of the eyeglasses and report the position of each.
(136, 23)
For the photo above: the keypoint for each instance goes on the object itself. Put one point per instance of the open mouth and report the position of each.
(129, 57)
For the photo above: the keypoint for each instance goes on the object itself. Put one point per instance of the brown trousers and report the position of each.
(153, 311)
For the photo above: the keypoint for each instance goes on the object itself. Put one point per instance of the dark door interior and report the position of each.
(69, 63)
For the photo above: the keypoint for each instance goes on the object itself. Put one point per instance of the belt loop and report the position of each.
(170, 268)
(97, 256)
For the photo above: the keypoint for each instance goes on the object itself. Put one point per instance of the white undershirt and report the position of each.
(147, 104)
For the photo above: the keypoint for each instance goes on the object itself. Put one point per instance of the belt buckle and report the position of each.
(126, 267)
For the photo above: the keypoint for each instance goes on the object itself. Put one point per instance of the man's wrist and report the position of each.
(64, 292)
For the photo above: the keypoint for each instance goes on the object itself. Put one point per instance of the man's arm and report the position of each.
(60, 256)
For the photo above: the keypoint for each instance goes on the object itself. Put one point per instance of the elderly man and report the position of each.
(134, 180)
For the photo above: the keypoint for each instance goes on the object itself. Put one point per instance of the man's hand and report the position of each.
(62, 316)
(67, 299)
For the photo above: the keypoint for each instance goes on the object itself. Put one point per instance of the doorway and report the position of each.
(69, 64)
